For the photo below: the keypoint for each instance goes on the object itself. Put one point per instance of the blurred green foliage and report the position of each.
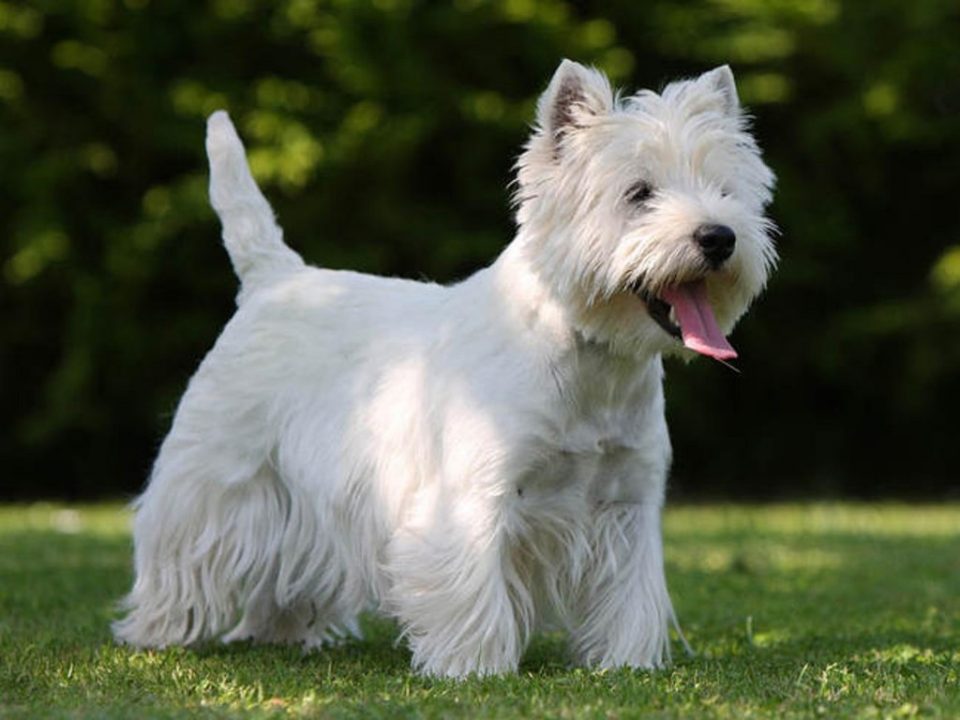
(384, 133)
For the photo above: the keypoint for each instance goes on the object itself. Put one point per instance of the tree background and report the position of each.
(384, 132)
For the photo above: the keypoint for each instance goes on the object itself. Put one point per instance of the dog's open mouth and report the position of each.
(684, 312)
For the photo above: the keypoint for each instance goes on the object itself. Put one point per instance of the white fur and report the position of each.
(473, 460)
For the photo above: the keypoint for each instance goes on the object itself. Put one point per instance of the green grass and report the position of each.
(795, 611)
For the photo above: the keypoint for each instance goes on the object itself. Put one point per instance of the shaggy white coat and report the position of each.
(472, 460)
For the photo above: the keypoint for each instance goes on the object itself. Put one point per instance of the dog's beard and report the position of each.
(684, 311)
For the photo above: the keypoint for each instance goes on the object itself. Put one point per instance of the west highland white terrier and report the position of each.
(472, 460)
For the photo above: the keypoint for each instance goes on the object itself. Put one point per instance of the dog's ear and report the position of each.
(721, 81)
(574, 93)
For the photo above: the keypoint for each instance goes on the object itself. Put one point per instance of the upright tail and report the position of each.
(251, 234)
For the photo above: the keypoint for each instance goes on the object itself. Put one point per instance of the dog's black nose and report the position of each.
(717, 243)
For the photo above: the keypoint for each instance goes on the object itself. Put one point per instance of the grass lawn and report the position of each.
(795, 611)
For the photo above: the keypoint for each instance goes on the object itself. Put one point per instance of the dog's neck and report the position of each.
(604, 394)
(569, 328)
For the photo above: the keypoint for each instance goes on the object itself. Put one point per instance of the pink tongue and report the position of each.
(697, 323)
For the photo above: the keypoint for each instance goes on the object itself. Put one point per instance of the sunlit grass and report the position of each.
(795, 611)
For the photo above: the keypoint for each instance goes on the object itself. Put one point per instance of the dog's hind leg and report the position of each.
(305, 622)
(305, 595)
(240, 560)
(199, 545)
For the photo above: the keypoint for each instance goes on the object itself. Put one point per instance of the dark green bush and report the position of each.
(384, 133)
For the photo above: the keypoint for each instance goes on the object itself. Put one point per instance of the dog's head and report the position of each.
(645, 214)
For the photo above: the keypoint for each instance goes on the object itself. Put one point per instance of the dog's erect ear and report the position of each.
(574, 92)
(721, 80)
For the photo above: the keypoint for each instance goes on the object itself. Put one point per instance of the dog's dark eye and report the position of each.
(639, 193)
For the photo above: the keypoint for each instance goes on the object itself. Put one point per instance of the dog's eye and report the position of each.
(639, 193)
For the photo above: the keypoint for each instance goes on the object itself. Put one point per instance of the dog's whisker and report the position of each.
(728, 365)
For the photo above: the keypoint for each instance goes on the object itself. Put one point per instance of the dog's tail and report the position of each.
(250, 232)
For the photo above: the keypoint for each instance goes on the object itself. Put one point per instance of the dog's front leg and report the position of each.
(624, 610)
(461, 606)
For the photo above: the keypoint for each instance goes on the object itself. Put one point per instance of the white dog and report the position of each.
(472, 460)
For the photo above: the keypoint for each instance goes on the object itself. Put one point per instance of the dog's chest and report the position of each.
(610, 444)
